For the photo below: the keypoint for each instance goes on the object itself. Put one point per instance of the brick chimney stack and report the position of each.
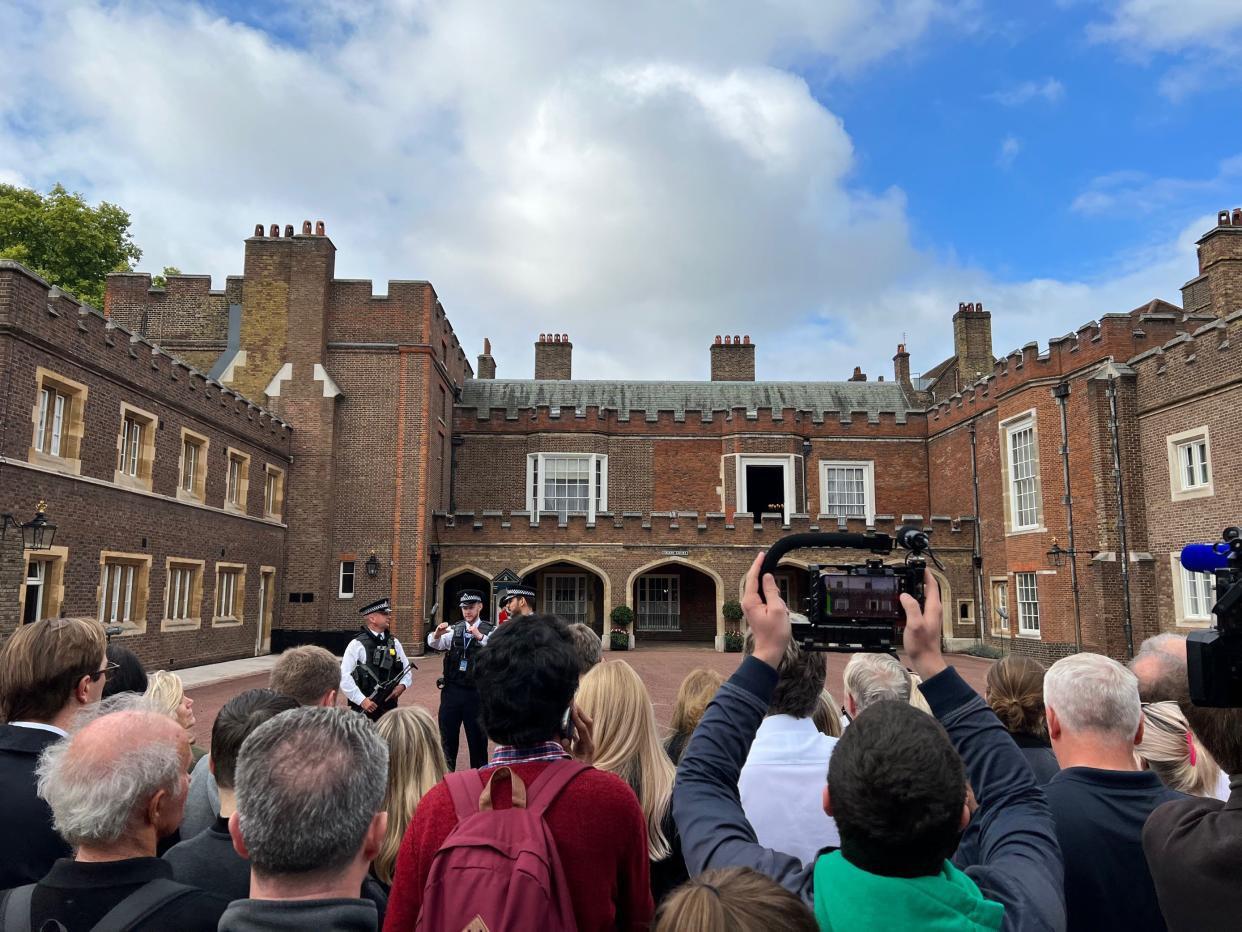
(972, 341)
(901, 367)
(859, 375)
(487, 365)
(553, 356)
(733, 359)
(1218, 287)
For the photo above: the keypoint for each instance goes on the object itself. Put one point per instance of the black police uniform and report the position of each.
(459, 702)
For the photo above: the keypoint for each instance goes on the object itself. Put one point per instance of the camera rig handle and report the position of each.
(876, 543)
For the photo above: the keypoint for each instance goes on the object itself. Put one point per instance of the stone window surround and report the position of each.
(1006, 427)
(239, 597)
(203, 444)
(789, 462)
(273, 509)
(195, 620)
(70, 458)
(1174, 442)
(1036, 633)
(1179, 597)
(146, 457)
(597, 497)
(137, 623)
(868, 467)
(55, 559)
(999, 625)
(243, 480)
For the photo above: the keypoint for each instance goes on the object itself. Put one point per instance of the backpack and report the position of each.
(138, 906)
(499, 870)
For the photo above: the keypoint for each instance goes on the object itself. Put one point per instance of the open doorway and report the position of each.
(765, 489)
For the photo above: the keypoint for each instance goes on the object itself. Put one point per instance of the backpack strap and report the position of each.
(551, 782)
(465, 788)
(17, 908)
(140, 904)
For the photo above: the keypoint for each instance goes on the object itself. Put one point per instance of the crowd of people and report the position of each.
(1085, 796)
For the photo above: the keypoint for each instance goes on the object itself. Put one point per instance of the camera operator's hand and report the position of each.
(768, 621)
(922, 637)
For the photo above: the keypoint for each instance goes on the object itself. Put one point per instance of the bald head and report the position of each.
(1160, 666)
(121, 777)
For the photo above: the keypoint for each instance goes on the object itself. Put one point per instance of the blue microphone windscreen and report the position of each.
(1203, 558)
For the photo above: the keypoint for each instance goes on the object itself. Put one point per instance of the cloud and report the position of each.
(641, 176)
(1009, 148)
(1050, 90)
(1134, 192)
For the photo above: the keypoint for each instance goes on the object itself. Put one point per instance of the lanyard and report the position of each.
(466, 639)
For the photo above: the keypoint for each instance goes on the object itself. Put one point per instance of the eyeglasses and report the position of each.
(105, 672)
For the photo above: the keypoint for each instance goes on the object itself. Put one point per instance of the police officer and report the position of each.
(519, 599)
(459, 703)
(373, 657)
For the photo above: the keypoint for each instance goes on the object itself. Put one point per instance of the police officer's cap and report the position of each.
(469, 597)
(523, 588)
(379, 605)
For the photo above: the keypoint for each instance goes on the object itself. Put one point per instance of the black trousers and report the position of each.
(386, 706)
(459, 705)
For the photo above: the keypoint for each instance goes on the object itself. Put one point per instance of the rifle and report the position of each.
(379, 695)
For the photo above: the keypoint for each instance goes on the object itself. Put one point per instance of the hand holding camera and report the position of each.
(767, 617)
(921, 638)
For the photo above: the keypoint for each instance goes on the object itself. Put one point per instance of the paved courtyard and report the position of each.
(662, 669)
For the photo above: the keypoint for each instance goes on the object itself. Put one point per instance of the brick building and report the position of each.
(1059, 485)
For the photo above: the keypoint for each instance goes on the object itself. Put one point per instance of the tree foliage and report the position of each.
(64, 239)
(161, 280)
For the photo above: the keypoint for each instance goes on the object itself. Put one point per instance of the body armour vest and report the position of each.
(459, 661)
(378, 663)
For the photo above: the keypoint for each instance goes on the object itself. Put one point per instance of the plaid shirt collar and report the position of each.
(508, 754)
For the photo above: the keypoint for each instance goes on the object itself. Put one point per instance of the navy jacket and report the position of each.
(1010, 851)
(32, 845)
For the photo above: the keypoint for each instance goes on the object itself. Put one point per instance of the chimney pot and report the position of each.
(274, 232)
(258, 229)
(306, 228)
(746, 339)
(553, 359)
(1222, 218)
(487, 347)
(961, 306)
(288, 229)
(319, 228)
(901, 348)
(542, 337)
(1237, 216)
(718, 340)
(736, 338)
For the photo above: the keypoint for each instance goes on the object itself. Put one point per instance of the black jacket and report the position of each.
(453, 672)
(1038, 754)
(1194, 848)
(32, 844)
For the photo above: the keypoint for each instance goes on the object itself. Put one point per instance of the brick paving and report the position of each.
(661, 668)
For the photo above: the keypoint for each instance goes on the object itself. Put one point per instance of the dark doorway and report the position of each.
(765, 490)
(450, 611)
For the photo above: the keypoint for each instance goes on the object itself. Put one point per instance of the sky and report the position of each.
(831, 178)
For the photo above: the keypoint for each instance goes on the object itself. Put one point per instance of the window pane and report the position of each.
(566, 484)
(58, 420)
(1024, 490)
(659, 603)
(45, 404)
(566, 597)
(845, 491)
(1028, 603)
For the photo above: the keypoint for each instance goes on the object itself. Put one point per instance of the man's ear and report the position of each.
(827, 802)
(1138, 735)
(156, 805)
(239, 843)
(328, 699)
(965, 821)
(82, 691)
(1054, 724)
(374, 838)
(851, 706)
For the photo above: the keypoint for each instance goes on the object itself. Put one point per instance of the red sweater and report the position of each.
(600, 835)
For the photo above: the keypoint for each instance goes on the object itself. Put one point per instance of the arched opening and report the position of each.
(571, 590)
(675, 601)
(457, 582)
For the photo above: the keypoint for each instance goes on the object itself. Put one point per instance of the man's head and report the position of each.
(1092, 704)
(897, 790)
(519, 599)
(1160, 666)
(376, 615)
(471, 603)
(588, 645)
(309, 786)
(800, 679)
(526, 680)
(872, 678)
(129, 677)
(240, 716)
(309, 674)
(118, 782)
(51, 667)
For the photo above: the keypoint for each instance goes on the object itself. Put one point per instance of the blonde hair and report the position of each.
(627, 743)
(917, 699)
(693, 697)
(415, 765)
(1167, 748)
(827, 717)
(165, 692)
(738, 899)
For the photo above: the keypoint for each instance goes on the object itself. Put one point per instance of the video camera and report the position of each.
(856, 607)
(1214, 656)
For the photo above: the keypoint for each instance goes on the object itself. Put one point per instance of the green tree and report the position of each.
(64, 239)
(161, 280)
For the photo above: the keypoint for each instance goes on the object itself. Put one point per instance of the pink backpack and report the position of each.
(499, 869)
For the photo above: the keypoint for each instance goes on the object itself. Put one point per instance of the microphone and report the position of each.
(1205, 558)
(912, 538)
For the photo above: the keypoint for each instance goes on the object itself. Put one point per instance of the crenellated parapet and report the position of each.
(1190, 363)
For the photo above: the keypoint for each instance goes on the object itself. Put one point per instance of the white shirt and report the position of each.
(355, 654)
(44, 726)
(1221, 791)
(782, 787)
(445, 641)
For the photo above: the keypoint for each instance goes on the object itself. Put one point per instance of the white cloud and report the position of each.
(1009, 148)
(1133, 192)
(1172, 25)
(1049, 90)
(640, 176)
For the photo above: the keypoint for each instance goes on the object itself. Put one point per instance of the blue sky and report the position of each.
(828, 177)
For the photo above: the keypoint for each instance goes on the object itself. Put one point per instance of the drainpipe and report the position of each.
(1061, 393)
(977, 557)
(1127, 623)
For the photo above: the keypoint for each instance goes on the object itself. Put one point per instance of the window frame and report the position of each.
(1025, 629)
(340, 578)
(675, 583)
(550, 602)
(1176, 443)
(788, 462)
(1182, 580)
(597, 484)
(135, 464)
(68, 457)
(236, 503)
(136, 598)
(192, 594)
(868, 468)
(238, 596)
(1027, 420)
(202, 447)
(273, 503)
(1000, 625)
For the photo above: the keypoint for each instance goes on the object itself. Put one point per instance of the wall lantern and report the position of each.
(37, 533)
(373, 565)
(1057, 555)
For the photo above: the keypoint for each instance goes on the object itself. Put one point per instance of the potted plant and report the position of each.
(732, 614)
(622, 616)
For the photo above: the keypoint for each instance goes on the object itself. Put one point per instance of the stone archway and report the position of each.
(676, 600)
(573, 589)
(451, 586)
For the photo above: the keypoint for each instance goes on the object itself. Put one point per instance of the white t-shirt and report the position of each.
(782, 787)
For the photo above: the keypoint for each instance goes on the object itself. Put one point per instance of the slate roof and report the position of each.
(649, 398)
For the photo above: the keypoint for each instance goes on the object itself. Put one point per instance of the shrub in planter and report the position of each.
(732, 611)
(733, 642)
(619, 640)
(622, 616)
